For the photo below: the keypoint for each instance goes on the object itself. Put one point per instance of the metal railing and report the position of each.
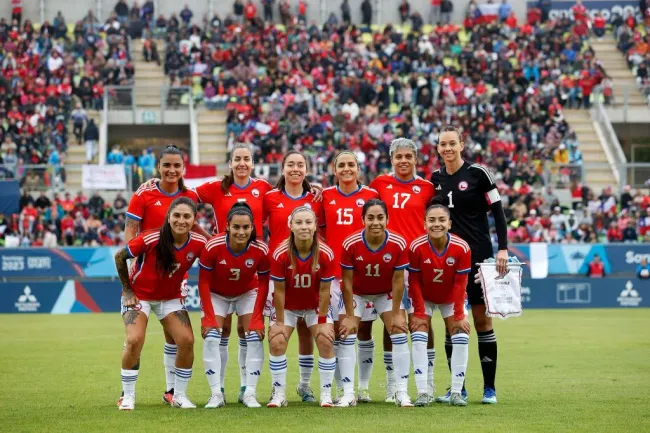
(613, 149)
(130, 98)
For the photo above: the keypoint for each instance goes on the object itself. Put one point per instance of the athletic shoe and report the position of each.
(182, 402)
(127, 402)
(306, 394)
(168, 396)
(346, 400)
(278, 400)
(223, 392)
(250, 400)
(215, 401)
(431, 390)
(456, 399)
(326, 399)
(489, 396)
(240, 397)
(402, 399)
(447, 397)
(422, 400)
(390, 393)
(363, 396)
(339, 395)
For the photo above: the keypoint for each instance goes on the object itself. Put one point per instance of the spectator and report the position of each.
(643, 270)
(366, 13)
(119, 205)
(17, 11)
(434, 12)
(122, 11)
(91, 138)
(186, 15)
(268, 10)
(238, 11)
(116, 156)
(446, 9)
(629, 233)
(599, 25)
(505, 10)
(626, 198)
(596, 268)
(79, 117)
(42, 202)
(346, 13)
(96, 204)
(404, 10)
(250, 11)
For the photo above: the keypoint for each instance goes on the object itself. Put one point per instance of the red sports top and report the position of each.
(149, 205)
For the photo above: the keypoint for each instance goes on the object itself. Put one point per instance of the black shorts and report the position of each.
(474, 290)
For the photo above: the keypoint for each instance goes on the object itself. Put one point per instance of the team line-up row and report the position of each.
(375, 234)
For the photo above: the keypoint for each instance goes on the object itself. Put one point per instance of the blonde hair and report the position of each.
(315, 248)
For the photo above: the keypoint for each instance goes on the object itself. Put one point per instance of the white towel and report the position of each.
(502, 295)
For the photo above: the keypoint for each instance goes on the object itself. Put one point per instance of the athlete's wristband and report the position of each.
(322, 319)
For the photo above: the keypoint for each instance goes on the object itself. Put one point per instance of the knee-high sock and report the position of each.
(254, 361)
(183, 376)
(448, 350)
(390, 370)
(337, 371)
(459, 359)
(223, 352)
(278, 365)
(365, 357)
(169, 361)
(401, 361)
(129, 377)
(212, 360)
(487, 351)
(431, 356)
(419, 355)
(326, 367)
(306, 366)
(242, 361)
(346, 361)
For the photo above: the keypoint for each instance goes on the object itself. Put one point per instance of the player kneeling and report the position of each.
(162, 259)
(234, 265)
(373, 262)
(439, 266)
(301, 271)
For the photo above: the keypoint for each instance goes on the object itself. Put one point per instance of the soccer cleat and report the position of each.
(390, 393)
(250, 400)
(215, 401)
(489, 396)
(431, 390)
(182, 402)
(306, 394)
(240, 397)
(346, 400)
(168, 396)
(339, 394)
(127, 402)
(278, 400)
(446, 398)
(402, 399)
(422, 400)
(326, 399)
(363, 396)
(456, 399)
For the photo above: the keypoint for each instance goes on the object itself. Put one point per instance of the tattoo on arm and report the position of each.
(123, 269)
(130, 317)
(183, 317)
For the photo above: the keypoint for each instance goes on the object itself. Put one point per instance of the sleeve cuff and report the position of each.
(413, 270)
(327, 279)
(464, 271)
(274, 278)
(401, 267)
(133, 216)
(264, 272)
(128, 251)
(346, 266)
(202, 266)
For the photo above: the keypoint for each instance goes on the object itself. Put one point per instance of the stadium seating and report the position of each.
(633, 40)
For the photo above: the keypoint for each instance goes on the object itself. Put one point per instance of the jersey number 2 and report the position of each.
(437, 278)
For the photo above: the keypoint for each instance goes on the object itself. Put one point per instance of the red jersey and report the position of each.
(252, 194)
(341, 216)
(439, 278)
(406, 202)
(149, 284)
(373, 270)
(302, 286)
(229, 274)
(278, 206)
(149, 205)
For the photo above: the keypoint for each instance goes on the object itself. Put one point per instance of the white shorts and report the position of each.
(335, 300)
(269, 309)
(309, 316)
(242, 304)
(406, 299)
(368, 315)
(160, 308)
(184, 289)
(382, 303)
(336, 297)
(446, 310)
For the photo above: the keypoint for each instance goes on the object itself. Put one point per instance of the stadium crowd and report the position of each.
(633, 40)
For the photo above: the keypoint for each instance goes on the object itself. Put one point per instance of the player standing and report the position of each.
(407, 197)
(162, 258)
(439, 265)
(302, 270)
(373, 262)
(469, 192)
(340, 217)
(233, 265)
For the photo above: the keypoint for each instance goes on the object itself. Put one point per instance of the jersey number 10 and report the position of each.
(302, 281)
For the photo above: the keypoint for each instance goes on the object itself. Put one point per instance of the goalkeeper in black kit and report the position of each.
(469, 191)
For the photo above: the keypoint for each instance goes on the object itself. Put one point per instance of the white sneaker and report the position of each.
(339, 395)
(431, 390)
(215, 401)
(127, 402)
(363, 396)
(346, 400)
(326, 399)
(182, 402)
(250, 400)
(402, 399)
(390, 393)
(423, 399)
(278, 400)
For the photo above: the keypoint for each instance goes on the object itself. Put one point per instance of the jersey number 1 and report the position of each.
(451, 199)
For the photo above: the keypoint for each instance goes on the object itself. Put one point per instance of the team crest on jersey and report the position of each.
(255, 192)
(462, 185)
(189, 256)
(249, 263)
(451, 261)
(360, 202)
(416, 189)
(387, 257)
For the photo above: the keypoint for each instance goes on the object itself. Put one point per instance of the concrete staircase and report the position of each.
(149, 77)
(599, 174)
(213, 142)
(76, 155)
(616, 67)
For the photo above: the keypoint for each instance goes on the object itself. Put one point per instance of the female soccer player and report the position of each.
(233, 265)
(439, 265)
(302, 270)
(162, 259)
(147, 210)
(340, 217)
(407, 196)
(373, 262)
(469, 192)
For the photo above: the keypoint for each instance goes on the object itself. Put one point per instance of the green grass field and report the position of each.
(559, 371)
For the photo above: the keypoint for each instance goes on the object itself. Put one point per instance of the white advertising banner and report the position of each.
(110, 176)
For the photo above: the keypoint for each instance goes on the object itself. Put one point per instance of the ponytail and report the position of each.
(229, 179)
(282, 182)
(165, 258)
(315, 246)
(173, 150)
